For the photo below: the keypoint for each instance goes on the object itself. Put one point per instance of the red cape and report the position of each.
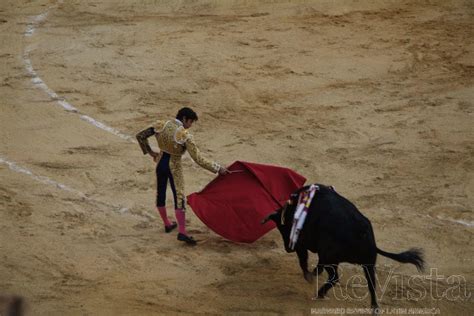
(234, 205)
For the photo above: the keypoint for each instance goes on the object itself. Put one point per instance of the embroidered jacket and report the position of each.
(174, 139)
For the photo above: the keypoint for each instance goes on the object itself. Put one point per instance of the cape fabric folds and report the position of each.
(234, 205)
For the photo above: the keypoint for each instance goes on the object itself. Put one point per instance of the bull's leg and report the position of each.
(318, 269)
(333, 279)
(303, 259)
(369, 271)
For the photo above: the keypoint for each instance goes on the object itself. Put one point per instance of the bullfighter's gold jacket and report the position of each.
(174, 139)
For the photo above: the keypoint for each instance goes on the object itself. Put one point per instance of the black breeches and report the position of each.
(163, 173)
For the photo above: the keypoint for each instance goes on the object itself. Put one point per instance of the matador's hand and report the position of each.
(155, 155)
(223, 171)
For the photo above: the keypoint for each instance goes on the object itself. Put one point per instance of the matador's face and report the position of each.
(187, 123)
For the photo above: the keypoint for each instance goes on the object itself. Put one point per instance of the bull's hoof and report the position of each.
(318, 297)
(308, 276)
(375, 311)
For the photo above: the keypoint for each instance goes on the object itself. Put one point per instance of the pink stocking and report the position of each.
(181, 218)
(164, 216)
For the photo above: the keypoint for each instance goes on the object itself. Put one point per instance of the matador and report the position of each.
(174, 140)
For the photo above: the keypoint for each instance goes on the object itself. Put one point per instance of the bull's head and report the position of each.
(283, 218)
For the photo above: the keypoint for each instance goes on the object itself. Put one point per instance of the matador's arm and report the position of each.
(142, 138)
(198, 158)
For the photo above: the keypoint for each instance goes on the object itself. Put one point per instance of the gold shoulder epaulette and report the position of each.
(182, 135)
(159, 126)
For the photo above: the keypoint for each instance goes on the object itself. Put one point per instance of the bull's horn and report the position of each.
(267, 218)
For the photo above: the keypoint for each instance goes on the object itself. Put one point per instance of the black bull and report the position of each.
(336, 230)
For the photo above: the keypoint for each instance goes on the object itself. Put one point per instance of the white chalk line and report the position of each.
(40, 84)
(36, 20)
(458, 221)
(45, 180)
(14, 167)
(452, 220)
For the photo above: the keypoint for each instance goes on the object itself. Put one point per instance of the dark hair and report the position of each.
(188, 113)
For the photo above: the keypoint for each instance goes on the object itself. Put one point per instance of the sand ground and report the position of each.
(373, 97)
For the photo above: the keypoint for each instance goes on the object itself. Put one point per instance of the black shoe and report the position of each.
(170, 228)
(189, 240)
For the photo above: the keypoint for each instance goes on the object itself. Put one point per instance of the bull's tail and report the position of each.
(413, 256)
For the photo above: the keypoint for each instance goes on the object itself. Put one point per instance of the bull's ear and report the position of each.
(272, 216)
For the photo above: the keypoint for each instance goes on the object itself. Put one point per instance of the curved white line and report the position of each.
(45, 180)
(107, 128)
(447, 219)
(36, 20)
(458, 221)
(40, 84)
(13, 166)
